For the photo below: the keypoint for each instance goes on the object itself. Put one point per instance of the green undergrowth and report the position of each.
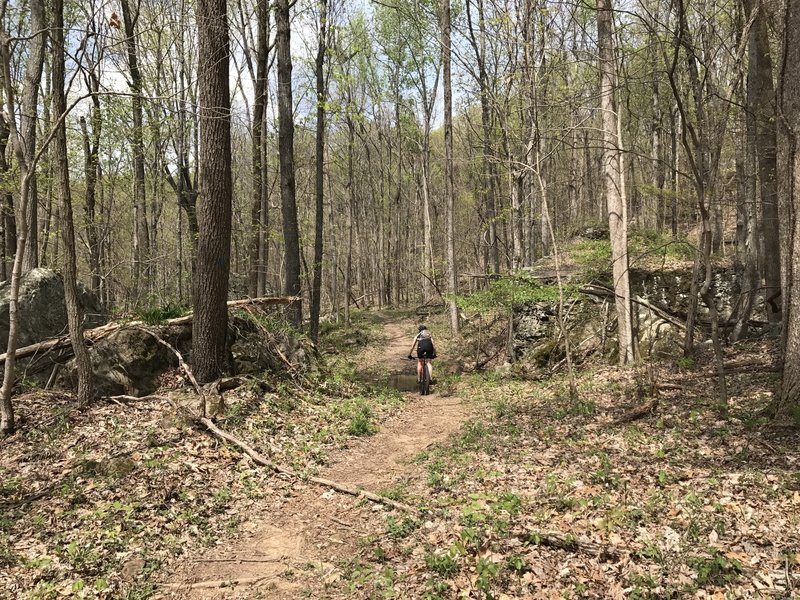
(158, 314)
(541, 495)
(510, 291)
(90, 494)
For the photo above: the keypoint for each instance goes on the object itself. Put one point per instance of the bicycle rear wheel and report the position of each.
(425, 383)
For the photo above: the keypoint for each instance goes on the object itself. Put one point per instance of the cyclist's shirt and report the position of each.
(425, 345)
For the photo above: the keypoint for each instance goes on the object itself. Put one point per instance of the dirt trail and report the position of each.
(296, 540)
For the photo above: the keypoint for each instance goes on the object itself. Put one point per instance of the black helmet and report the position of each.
(422, 328)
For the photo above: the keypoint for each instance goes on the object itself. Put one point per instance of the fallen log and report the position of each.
(98, 333)
(571, 543)
(637, 412)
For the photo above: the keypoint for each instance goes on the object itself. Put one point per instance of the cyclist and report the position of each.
(425, 349)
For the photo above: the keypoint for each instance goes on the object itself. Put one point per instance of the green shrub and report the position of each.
(155, 315)
(716, 569)
(441, 564)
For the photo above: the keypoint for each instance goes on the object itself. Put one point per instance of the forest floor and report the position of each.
(520, 490)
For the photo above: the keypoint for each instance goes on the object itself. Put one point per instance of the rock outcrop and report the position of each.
(42, 309)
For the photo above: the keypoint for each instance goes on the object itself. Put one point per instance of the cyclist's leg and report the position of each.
(419, 369)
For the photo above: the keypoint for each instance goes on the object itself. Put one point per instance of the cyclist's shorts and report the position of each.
(425, 349)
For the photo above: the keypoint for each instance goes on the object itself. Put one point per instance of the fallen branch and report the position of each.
(571, 543)
(97, 333)
(238, 560)
(265, 462)
(262, 460)
(125, 398)
(602, 291)
(184, 367)
(670, 386)
(220, 583)
(637, 412)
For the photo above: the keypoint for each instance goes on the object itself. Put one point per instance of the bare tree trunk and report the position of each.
(28, 121)
(319, 175)
(7, 424)
(704, 163)
(91, 170)
(9, 239)
(489, 179)
(449, 177)
(210, 326)
(259, 180)
(746, 228)
(675, 118)
(74, 310)
(761, 101)
(141, 242)
(614, 176)
(291, 234)
(789, 187)
(351, 201)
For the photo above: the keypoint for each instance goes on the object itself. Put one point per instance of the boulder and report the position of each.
(130, 361)
(42, 310)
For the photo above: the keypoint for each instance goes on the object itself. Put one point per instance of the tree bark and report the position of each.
(761, 103)
(7, 423)
(141, 243)
(209, 330)
(91, 170)
(74, 310)
(449, 178)
(9, 239)
(28, 122)
(319, 167)
(789, 194)
(257, 267)
(747, 250)
(291, 234)
(614, 177)
(489, 178)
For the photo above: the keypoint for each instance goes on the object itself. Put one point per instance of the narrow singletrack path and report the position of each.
(295, 541)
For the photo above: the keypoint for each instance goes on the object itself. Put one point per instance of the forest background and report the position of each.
(383, 154)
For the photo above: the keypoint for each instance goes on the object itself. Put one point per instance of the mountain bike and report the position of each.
(425, 381)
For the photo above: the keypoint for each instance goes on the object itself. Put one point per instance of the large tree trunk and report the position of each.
(613, 173)
(319, 174)
(291, 234)
(141, 242)
(449, 177)
(209, 329)
(789, 194)
(28, 122)
(74, 311)
(761, 103)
